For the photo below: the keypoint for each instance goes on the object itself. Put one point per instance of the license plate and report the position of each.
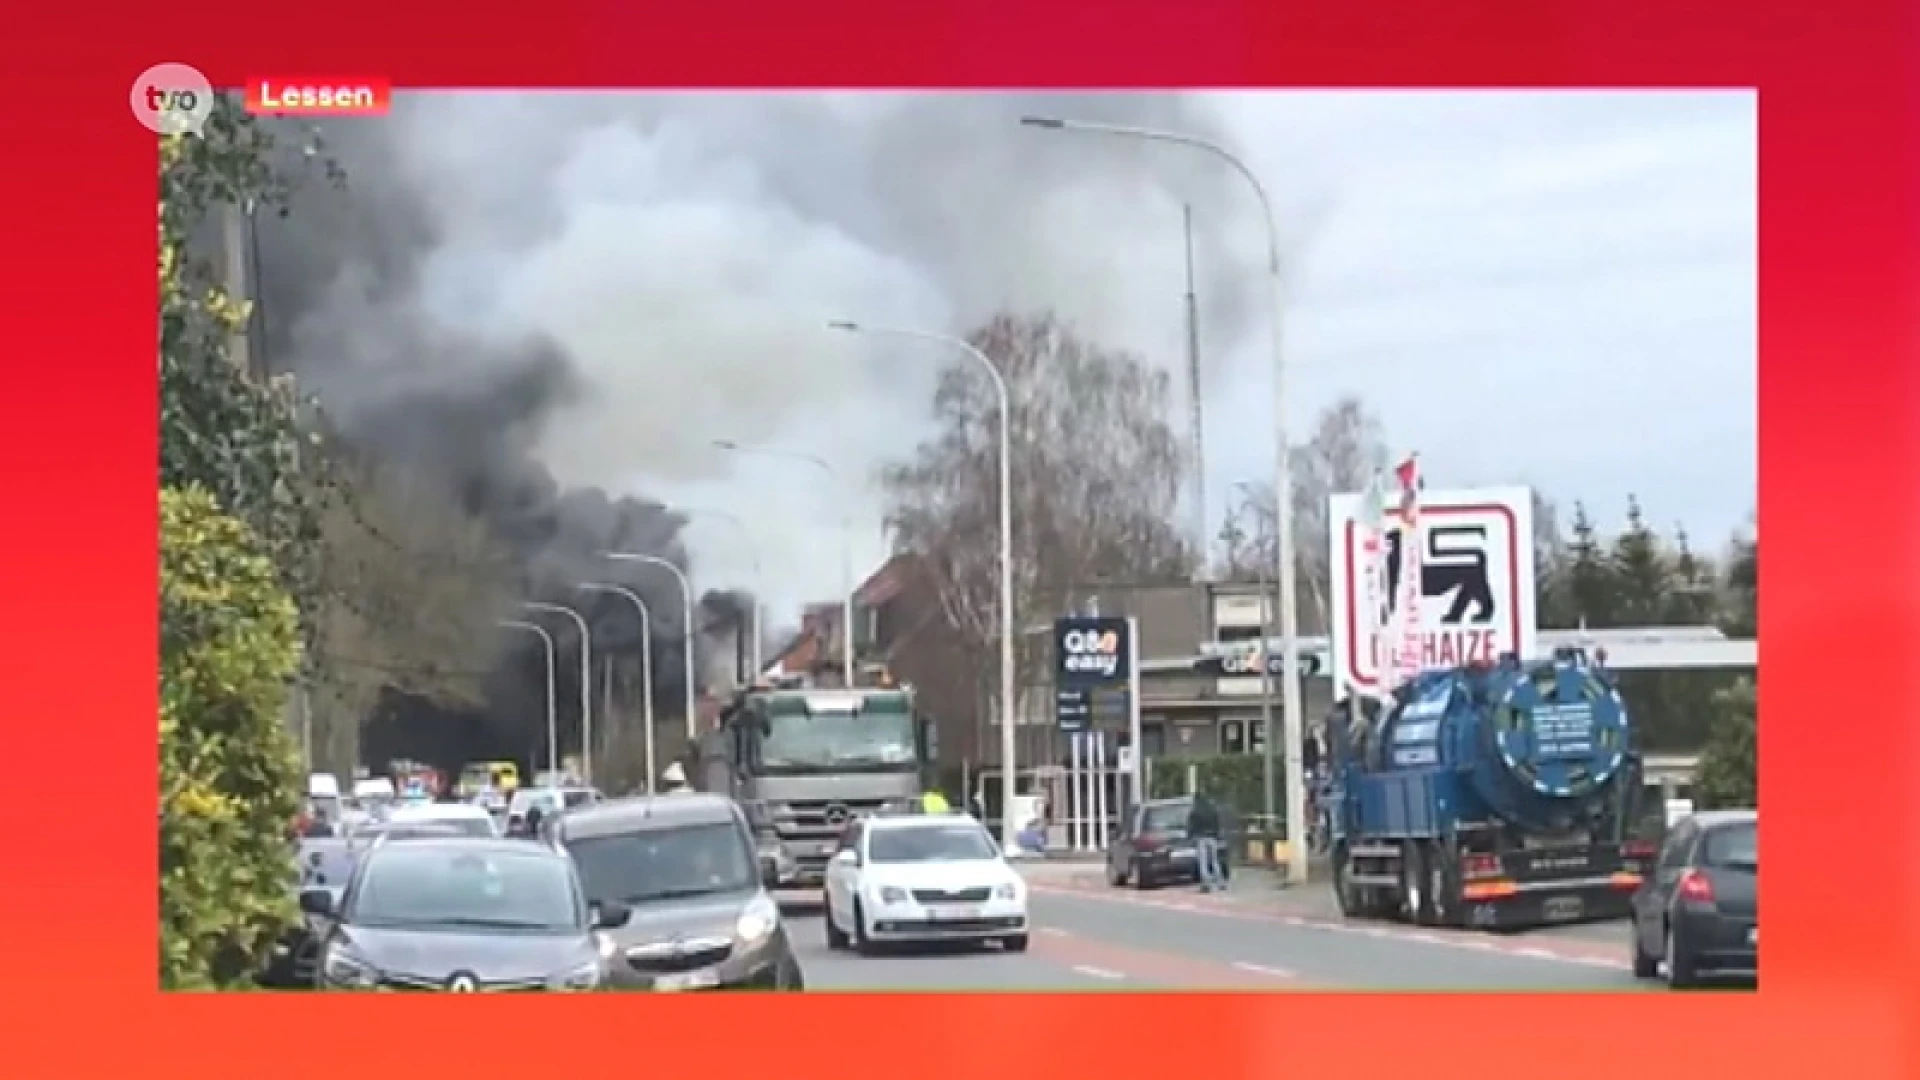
(1753, 936)
(687, 980)
(965, 911)
(1561, 908)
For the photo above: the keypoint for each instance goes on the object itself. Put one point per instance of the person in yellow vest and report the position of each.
(934, 803)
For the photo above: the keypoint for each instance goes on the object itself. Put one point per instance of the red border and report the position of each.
(1839, 391)
(1513, 562)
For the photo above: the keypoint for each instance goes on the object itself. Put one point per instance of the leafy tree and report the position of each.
(229, 773)
(221, 429)
(1097, 468)
(1346, 448)
(1729, 763)
(1591, 589)
(1740, 592)
(1641, 571)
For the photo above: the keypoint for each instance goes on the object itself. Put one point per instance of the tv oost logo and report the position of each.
(172, 99)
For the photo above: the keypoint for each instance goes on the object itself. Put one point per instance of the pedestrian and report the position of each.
(1203, 828)
(531, 822)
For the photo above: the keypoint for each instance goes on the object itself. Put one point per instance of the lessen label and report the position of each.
(1090, 652)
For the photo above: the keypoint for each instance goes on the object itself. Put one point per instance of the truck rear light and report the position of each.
(1487, 890)
(1479, 865)
(1695, 888)
(1636, 849)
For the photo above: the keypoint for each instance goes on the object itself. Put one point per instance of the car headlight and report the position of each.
(341, 968)
(757, 920)
(1007, 890)
(584, 977)
(891, 894)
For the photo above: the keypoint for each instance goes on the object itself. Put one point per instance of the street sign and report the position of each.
(1476, 588)
(1073, 708)
(1092, 650)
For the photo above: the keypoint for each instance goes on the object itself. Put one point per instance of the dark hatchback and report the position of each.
(1696, 918)
(462, 914)
(1151, 846)
(685, 871)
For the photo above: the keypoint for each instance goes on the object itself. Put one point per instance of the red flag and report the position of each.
(1408, 474)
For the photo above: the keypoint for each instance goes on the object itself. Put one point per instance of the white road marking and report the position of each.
(1477, 944)
(1097, 972)
(1262, 969)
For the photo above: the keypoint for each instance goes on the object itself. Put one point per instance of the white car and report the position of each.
(923, 878)
(469, 819)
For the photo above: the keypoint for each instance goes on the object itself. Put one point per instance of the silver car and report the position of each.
(688, 893)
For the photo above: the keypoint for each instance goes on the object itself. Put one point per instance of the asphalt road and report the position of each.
(1091, 937)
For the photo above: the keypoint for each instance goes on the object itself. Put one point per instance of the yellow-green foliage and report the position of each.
(229, 771)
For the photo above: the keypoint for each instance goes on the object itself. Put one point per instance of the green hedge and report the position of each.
(229, 770)
(1235, 781)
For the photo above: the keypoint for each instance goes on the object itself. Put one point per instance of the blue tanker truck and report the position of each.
(1494, 796)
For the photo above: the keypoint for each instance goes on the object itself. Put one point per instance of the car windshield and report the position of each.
(1167, 820)
(930, 843)
(431, 886)
(825, 739)
(1734, 846)
(655, 864)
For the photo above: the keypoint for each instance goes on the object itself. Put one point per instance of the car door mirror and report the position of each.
(769, 871)
(317, 902)
(610, 915)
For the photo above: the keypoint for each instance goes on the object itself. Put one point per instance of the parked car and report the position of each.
(1151, 846)
(1696, 917)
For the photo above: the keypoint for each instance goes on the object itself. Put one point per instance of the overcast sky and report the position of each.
(1554, 289)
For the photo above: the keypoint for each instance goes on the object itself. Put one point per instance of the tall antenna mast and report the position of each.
(1194, 395)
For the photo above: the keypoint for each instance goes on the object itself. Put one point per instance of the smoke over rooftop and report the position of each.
(559, 300)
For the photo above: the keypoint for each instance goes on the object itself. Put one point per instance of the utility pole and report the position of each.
(1195, 410)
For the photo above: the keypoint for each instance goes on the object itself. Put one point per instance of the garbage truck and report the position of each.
(1495, 796)
(805, 762)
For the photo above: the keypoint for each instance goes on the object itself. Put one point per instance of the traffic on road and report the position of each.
(674, 893)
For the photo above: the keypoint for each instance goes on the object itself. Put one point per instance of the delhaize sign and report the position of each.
(1476, 581)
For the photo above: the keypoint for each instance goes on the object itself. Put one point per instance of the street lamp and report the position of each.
(686, 601)
(1007, 743)
(586, 681)
(646, 661)
(759, 576)
(1269, 744)
(1292, 705)
(553, 722)
(846, 541)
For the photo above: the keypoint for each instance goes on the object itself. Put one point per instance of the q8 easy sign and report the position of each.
(1091, 650)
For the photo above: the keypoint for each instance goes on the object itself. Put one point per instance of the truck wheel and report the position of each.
(1414, 904)
(836, 937)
